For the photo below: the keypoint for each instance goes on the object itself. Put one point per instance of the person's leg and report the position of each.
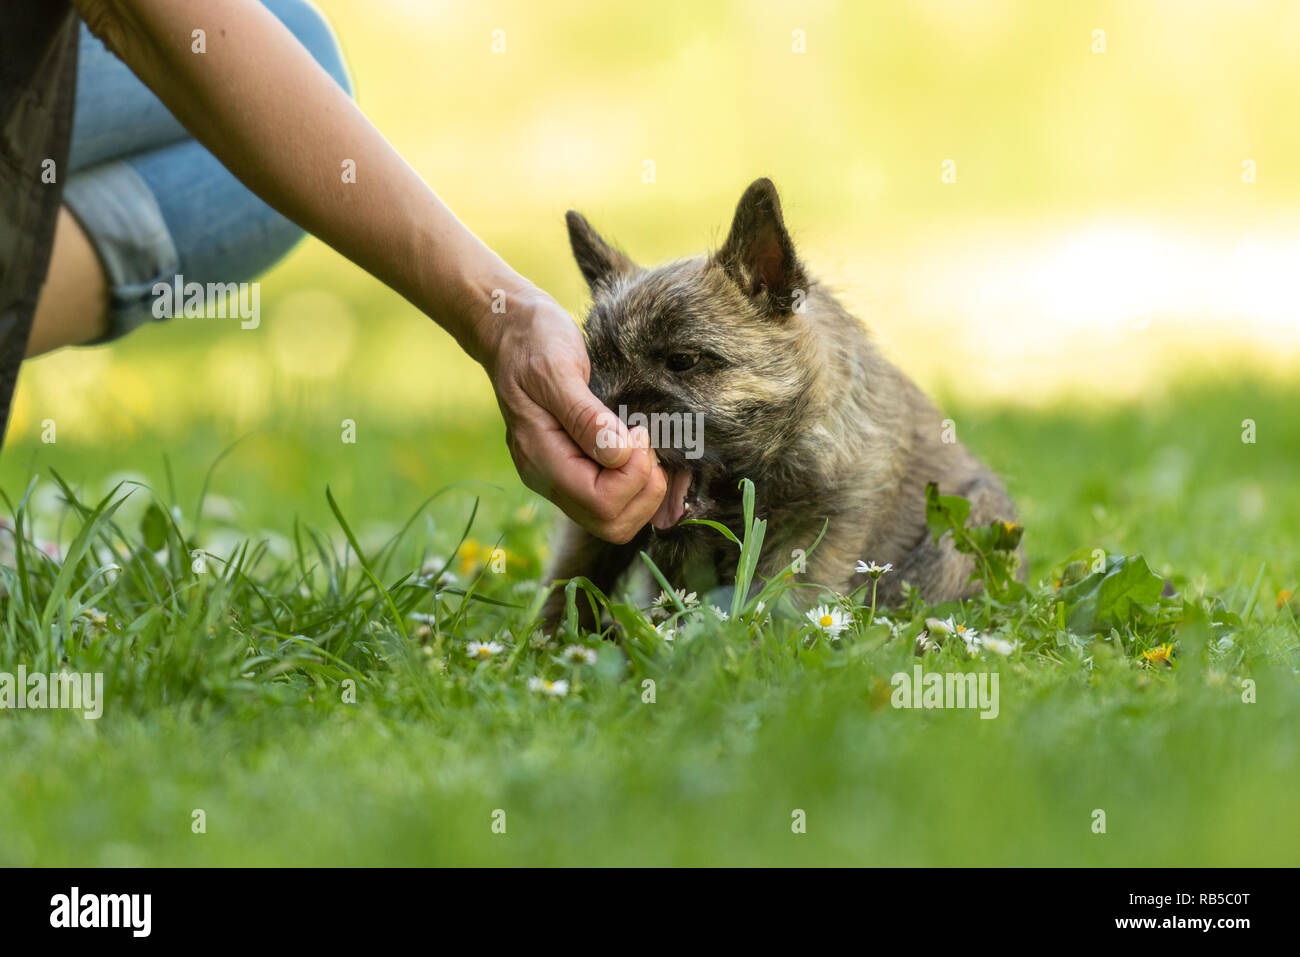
(115, 114)
(73, 305)
(144, 212)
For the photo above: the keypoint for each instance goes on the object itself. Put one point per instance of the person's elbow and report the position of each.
(109, 20)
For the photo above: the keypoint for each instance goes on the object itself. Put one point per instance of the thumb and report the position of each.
(596, 430)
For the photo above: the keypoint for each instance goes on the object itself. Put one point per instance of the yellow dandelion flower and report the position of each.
(469, 555)
(1158, 655)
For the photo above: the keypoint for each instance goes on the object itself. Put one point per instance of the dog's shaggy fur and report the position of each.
(794, 396)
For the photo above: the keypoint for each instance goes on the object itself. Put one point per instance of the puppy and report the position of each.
(743, 366)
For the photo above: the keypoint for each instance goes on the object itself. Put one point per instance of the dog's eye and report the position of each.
(681, 361)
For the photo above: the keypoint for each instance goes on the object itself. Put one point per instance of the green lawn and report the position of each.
(225, 687)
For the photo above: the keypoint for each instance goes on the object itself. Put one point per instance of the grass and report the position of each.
(228, 688)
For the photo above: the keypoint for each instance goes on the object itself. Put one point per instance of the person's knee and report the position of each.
(314, 32)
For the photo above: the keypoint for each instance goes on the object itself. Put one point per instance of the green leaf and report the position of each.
(1113, 597)
(755, 530)
(716, 526)
(94, 522)
(154, 527)
(944, 513)
(997, 536)
(611, 663)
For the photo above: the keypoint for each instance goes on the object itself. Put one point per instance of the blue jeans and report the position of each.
(154, 202)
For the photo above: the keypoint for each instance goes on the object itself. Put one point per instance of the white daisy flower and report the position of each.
(830, 620)
(580, 654)
(665, 600)
(722, 615)
(667, 631)
(96, 617)
(946, 626)
(872, 569)
(970, 637)
(429, 574)
(556, 689)
(482, 650)
(999, 646)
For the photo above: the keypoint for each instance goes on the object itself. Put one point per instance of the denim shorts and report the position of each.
(154, 202)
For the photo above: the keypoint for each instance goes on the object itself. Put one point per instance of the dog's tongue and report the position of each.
(673, 507)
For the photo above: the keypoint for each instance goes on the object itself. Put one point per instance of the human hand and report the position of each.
(566, 445)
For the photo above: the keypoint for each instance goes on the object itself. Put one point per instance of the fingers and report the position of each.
(565, 442)
(611, 503)
(638, 512)
(596, 430)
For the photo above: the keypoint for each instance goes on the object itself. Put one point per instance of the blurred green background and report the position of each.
(1123, 227)
(1100, 299)
(1099, 239)
(1101, 243)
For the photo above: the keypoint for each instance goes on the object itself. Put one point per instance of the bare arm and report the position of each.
(277, 120)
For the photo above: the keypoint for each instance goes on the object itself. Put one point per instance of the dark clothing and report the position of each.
(38, 72)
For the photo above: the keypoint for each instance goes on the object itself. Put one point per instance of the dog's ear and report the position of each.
(758, 254)
(599, 261)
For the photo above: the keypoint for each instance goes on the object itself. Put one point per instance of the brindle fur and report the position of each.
(799, 400)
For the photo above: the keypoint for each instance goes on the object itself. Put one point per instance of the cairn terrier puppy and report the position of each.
(791, 393)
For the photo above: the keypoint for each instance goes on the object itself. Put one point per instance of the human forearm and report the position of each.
(276, 119)
(262, 106)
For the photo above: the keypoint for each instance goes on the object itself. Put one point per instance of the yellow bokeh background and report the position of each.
(1125, 210)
